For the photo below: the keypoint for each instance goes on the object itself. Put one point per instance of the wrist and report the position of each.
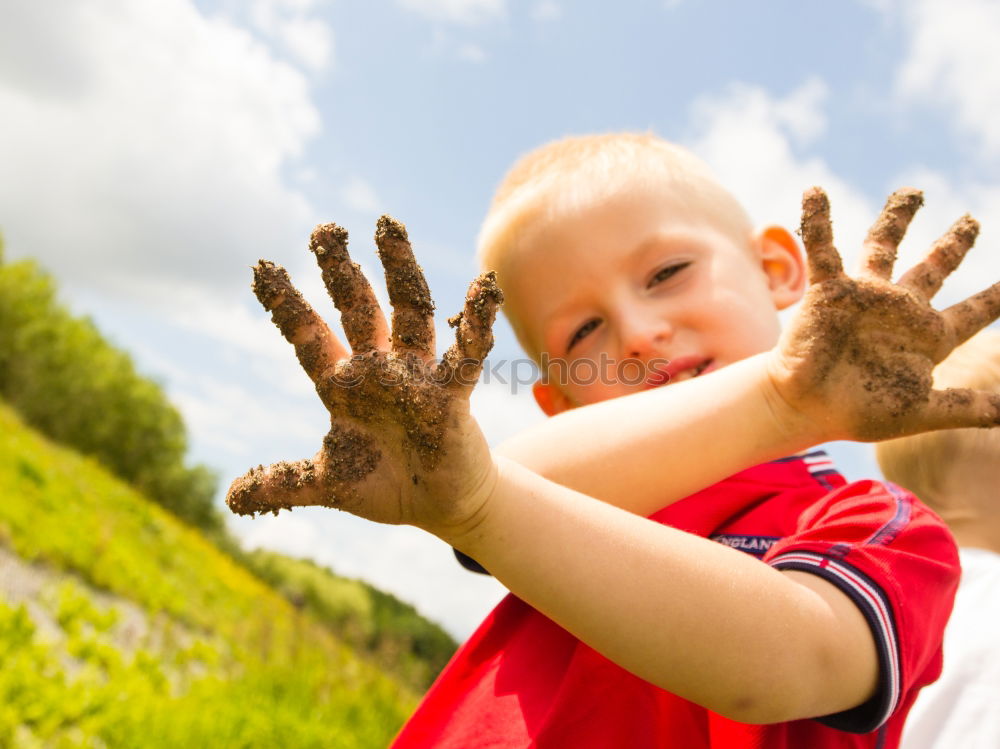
(476, 504)
(787, 399)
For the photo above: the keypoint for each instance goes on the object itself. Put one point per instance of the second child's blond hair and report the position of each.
(926, 463)
(569, 174)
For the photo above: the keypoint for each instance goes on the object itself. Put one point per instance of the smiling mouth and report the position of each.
(690, 372)
(666, 377)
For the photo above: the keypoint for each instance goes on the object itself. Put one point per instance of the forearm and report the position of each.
(643, 451)
(675, 609)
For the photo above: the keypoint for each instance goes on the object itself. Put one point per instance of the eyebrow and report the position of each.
(665, 239)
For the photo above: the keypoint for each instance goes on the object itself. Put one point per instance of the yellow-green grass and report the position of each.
(249, 670)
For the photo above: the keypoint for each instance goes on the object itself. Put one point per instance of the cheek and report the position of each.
(744, 319)
(588, 385)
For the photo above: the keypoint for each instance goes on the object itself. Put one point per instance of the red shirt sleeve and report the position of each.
(898, 562)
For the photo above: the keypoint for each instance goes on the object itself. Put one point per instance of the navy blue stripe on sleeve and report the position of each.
(874, 604)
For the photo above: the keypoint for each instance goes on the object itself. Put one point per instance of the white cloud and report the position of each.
(463, 12)
(471, 52)
(546, 10)
(505, 407)
(308, 39)
(951, 63)
(147, 143)
(751, 140)
(233, 418)
(360, 196)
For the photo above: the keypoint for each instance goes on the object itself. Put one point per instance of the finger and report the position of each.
(280, 486)
(315, 346)
(327, 480)
(972, 315)
(882, 242)
(926, 277)
(817, 236)
(412, 308)
(473, 330)
(959, 408)
(360, 314)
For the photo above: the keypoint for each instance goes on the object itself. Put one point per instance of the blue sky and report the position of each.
(152, 151)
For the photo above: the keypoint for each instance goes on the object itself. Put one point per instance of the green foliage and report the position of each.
(398, 638)
(129, 700)
(226, 661)
(68, 381)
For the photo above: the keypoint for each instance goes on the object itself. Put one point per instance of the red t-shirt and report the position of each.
(521, 680)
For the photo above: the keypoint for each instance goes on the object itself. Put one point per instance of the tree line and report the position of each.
(69, 382)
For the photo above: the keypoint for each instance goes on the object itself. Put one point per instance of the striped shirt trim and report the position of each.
(904, 508)
(876, 608)
(817, 461)
(819, 464)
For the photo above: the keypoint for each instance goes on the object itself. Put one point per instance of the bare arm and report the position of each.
(403, 448)
(591, 448)
(693, 623)
(643, 451)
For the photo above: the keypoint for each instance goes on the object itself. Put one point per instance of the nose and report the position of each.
(644, 333)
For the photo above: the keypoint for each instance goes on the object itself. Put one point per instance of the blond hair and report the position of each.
(927, 463)
(568, 175)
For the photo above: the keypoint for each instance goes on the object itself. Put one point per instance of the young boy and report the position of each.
(625, 249)
(957, 473)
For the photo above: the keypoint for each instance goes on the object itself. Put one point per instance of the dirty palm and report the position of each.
(404, 448)
(395, 410)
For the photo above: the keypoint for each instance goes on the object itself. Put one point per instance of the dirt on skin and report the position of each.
(888, 230)
(412, 307)
(401, 390)
(474, 327)
(898, 378)
(255, 491)
(829, 334)
(293, 315)
(350, 291)
(946, 255)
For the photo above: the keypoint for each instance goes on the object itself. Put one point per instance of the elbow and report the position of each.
(759, 708)
(793, 695)
(776, 695)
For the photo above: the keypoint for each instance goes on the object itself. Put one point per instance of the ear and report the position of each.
(550, 399)
(783, 265)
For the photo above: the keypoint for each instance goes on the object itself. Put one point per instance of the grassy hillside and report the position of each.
(70, 382)
(145, 634)
(375, 623)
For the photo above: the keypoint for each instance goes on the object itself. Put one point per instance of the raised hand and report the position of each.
(859, 356)
(402, 445)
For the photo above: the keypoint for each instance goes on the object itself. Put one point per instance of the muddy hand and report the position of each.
(402, 446)
(858, 357)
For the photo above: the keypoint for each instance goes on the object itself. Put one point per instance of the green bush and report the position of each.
(391, 632)
(69, 382)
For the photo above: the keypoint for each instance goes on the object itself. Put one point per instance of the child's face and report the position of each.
(635, 277)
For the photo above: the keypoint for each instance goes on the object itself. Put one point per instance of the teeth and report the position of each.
(691, 373)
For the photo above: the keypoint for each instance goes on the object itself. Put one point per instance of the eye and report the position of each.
(668, 272)
(582, 332)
